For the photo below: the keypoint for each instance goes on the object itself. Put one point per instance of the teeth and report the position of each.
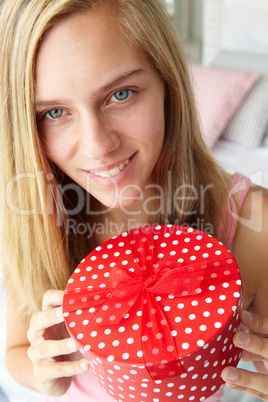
(111, 173)
(114, 171)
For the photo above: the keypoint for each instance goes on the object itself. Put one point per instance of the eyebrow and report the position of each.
(119, 80)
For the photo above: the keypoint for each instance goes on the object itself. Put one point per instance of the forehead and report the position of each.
(85, 46)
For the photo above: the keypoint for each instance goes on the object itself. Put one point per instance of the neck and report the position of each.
(119, 220)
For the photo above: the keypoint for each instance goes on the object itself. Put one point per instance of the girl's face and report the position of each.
(99, 107)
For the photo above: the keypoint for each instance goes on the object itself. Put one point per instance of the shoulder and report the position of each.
(250, 248)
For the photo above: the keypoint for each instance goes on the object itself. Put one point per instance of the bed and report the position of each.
(231, 88)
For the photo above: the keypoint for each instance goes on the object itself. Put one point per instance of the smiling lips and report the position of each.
(111, 173)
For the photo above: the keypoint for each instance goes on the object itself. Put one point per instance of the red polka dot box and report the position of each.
(154, 311)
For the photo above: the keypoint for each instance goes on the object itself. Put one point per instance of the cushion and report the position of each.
(219, 93)
(250, 124)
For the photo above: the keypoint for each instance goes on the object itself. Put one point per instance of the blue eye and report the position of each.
(122, 95)
(54, 113)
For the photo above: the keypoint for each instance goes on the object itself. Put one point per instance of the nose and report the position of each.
(96, 138)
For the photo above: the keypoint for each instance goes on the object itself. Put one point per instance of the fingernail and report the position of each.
(247, 316)
(83, 365)
(231, 385)
(231, 375)
(71, 344)
(242, 339)
(59, 313)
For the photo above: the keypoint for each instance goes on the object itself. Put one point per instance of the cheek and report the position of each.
(59, 148)
(146, 124)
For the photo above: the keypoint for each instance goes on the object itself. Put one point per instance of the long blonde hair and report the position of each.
(37, 251)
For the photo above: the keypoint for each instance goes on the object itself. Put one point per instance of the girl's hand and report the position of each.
(51, 349)
(255, 349)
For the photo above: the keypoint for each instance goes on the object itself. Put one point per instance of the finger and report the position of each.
(254, 384)
(51, 349)
(41, 321)
(56, 370)
(252, 343)
(250, 357)
(52, 298)
(256, 394)
(254, 322)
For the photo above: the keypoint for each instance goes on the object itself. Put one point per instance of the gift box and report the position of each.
(154, 311)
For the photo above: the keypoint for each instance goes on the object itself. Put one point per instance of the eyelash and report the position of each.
(44, 115)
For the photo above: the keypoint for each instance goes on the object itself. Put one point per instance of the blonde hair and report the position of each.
(37, 252)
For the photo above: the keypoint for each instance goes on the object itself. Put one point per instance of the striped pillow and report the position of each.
(250, 123)
(249, 127)
(219, 93)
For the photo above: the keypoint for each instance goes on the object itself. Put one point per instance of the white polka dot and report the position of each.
(130, 341)
(200, 343)
(185, 345)
(116, 343)
(101, 345)
(188, 330)
(221, 311)
(203, 327)
(125, 356)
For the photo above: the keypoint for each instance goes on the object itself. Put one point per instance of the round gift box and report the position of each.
(154, 311)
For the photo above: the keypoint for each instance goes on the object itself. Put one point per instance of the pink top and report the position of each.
(85, 387)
